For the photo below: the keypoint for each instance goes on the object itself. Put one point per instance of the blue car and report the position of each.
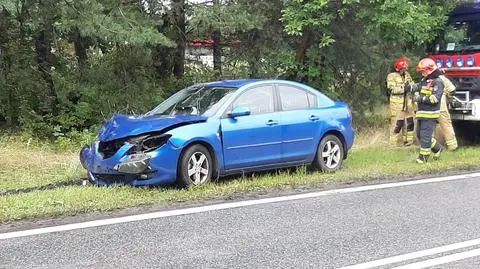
(215, 129)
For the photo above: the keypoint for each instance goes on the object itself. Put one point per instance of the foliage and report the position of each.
(66, 66)
(353, 44)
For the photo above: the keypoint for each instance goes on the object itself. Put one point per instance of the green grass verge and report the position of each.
(22, 167)
(363, 164)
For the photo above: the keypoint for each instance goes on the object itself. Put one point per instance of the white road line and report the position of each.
(414, 255)
(163, 214)
(442, 260)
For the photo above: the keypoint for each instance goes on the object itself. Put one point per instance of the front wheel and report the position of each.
(196, 166)
(330, 154)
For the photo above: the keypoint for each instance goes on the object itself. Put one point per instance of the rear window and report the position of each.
(294, 99)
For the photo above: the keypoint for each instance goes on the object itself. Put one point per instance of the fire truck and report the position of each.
(457, 52)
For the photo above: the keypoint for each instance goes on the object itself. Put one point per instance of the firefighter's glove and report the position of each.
(414, 87)
(453, 103)
(416, 97)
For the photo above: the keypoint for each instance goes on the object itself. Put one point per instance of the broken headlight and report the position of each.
(148, 143)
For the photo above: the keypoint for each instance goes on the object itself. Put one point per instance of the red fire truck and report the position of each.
(457, 52)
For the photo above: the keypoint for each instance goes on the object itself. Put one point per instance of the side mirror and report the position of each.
(238, 112)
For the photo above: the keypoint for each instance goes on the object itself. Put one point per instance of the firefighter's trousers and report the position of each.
(428, 144)
(401, 125)
(445, 129)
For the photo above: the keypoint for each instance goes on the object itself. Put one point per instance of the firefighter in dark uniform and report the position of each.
(401, 106)
(428, 95)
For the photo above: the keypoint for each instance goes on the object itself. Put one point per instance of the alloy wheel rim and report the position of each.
(331, 154)
(198, 168)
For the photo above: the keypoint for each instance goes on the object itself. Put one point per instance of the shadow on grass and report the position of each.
(247, 176)
(265, 173)
(77, 182)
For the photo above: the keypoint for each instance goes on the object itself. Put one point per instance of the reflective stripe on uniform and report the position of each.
(426, 92)
(397, 98)
(434, 142)
(425, 152)
(400, 101)
(429, 111)
(408, 139)
(394, 140)
(428, 114)
(452, 143)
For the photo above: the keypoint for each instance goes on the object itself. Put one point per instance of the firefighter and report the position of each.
(445, 121)
(428, 95)
(401, 106)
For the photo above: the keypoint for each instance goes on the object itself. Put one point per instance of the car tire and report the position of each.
(196, 166)
(330, 154)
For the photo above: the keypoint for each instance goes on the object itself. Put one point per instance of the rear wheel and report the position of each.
(196, 166)
(330, 154)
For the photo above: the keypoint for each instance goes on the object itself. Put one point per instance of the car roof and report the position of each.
(232, 83)
(243, 82)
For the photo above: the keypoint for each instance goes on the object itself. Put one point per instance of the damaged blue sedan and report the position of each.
(215, 129)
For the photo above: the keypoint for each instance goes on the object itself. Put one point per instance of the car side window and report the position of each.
(312, 100)
(293, 98)
(260, 100)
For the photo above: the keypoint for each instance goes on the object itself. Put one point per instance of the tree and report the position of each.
(66, 65)
(40, 33)
(224, 21)
(348, 46)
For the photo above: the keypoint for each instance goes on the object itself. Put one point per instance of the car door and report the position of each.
(255, 139)
(301, 123)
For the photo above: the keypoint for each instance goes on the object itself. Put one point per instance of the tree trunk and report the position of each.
(81, 52)
(302, 54)
(12, 117)
(5, 69)
(179, 26)
(217, 48)
(161, 55)
(255, 54)
(303, 46)
(217, 52)
(43, 46)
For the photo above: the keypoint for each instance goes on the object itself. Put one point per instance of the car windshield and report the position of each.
(459, 36)
(199, 100)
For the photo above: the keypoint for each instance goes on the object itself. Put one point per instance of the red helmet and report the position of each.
(428, 65)
(401, 63)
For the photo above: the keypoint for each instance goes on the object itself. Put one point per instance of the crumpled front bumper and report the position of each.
(141, 169)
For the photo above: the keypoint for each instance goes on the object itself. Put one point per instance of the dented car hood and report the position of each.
(120, 126)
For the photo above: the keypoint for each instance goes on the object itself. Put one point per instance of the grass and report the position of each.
(23, 166)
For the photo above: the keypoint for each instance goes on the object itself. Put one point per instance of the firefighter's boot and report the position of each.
(422, 158)
(436, 149)
(410, 132)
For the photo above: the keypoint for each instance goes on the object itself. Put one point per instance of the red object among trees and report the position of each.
(210, 43)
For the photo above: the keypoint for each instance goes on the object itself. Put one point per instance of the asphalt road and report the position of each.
(330, 231)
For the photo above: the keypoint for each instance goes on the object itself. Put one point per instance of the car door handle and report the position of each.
(314, 118)
(271, 122)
